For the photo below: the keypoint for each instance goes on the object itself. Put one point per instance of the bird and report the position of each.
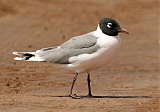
(81, 54)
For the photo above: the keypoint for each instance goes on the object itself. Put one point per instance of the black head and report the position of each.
(111, 27)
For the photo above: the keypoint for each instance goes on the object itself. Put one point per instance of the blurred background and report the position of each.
(28, 25)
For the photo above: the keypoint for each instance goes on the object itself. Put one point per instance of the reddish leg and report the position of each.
(70, 94)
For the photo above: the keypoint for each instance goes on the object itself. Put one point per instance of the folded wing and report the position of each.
(85, 44)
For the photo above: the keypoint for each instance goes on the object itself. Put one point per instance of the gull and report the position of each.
(82, 54)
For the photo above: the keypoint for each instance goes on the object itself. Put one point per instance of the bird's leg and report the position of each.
(70, 94)
(89, 86)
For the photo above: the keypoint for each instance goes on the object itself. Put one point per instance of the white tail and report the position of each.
(26, 56)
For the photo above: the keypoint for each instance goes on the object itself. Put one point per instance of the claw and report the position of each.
(74, 96)
(89, 95)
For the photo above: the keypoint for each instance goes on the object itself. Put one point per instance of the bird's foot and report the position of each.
(89, 95)
(74, 96)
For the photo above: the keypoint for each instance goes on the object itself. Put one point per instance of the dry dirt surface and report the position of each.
(129, 83)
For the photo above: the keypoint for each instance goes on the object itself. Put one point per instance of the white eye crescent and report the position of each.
(109, 25)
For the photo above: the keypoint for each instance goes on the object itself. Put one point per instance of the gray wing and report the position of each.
(78, 42)
(85, 44)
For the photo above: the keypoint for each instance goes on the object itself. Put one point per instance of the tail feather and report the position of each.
(26, 56)
(23, 53)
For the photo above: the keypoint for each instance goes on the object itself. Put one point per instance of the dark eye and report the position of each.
(109, 25)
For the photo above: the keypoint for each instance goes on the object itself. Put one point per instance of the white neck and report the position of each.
(99, 33)
(104, 38)
(98, 29)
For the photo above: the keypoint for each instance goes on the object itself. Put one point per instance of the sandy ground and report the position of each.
(130, 82)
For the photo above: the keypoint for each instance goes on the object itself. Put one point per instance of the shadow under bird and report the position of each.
(81, 54)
